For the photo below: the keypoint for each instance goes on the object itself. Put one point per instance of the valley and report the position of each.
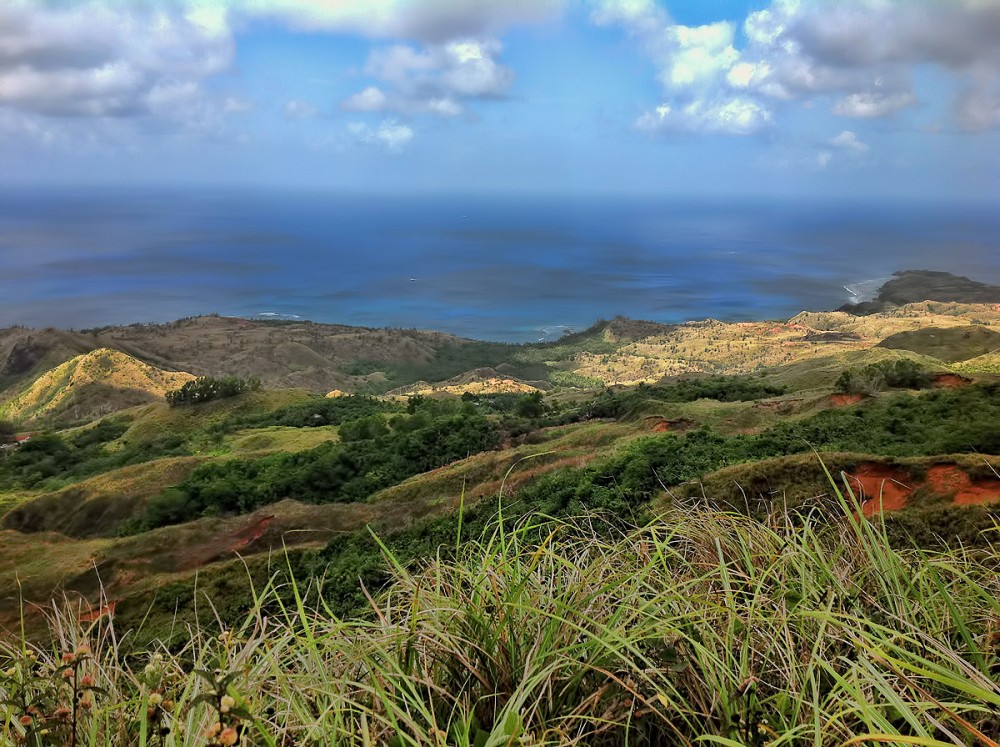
(127, 498)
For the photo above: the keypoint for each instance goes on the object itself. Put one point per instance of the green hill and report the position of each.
(951, 344)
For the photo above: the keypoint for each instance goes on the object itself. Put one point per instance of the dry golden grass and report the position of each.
(92, 384)
(711, 346)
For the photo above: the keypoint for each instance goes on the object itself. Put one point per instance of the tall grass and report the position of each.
(701, 628)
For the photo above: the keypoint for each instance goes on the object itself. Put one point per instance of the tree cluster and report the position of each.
(877, 377)
(207, 388)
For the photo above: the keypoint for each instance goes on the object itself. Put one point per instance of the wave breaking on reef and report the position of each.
(865, 290)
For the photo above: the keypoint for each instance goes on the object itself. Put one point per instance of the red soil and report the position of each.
(890, 488)
(950, 381)
(844, 400)
(662, 425)
(947, 479)
(108, 609)
(251, 533)
(879, 486)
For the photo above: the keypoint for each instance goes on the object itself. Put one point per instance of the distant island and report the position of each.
(913, 286)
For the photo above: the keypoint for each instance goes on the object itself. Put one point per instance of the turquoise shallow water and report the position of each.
(499, 268)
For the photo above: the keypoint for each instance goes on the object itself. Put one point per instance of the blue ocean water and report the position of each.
(501, 268)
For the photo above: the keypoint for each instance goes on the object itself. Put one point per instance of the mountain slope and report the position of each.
(90, 385)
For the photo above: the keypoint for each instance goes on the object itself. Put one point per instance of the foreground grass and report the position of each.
(702, 627)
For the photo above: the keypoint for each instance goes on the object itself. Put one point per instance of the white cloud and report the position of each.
(698, 54)
(92, 59)
(866, 51)
(861, 55)
(848, 141)
(299, 109)
(390, 135)
(370, 99)
(728, 117)
(870, 105)
(693, 64)
(434, 80)
(432, 21)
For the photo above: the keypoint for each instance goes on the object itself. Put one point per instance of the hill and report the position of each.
(951, 345)
(90, 385)
(911, 286)
(626, 418)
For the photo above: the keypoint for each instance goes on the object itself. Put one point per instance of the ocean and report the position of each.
(501, 268)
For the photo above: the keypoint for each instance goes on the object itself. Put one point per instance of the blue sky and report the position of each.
(701, 97)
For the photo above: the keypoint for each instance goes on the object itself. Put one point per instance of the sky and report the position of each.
(844, 99)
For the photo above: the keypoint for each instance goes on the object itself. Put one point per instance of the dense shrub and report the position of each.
(376, 457)
(315, 412)
(618, 403)
(48, 460)
(207, 388)
(876, 377)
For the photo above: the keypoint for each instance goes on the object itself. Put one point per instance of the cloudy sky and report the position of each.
(705, 97)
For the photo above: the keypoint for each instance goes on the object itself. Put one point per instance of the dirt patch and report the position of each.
(663, 425)
(882, 487)
(947, 479)
(251, 533)
(950, 381)
(845, 400)
(95, 614)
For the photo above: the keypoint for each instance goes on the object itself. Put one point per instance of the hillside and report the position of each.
(912, 286)
(91, 385)
(428, 434)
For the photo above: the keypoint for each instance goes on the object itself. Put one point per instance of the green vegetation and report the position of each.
(618, 403)
(207, 388)
(316, 411)
(49, 460)
(876, 377)
(528, 362)
(447, 362)
(948, 344)
(373, 456)
(700, 627)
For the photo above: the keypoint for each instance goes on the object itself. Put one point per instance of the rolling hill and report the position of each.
(89, 385)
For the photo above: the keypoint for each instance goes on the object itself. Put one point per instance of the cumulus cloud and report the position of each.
(431, 21)
(859, 56)
(871, 104)
(848, 141)
(371, 99)
(390, 135)
(693, 65)
(97, 60)
(434, 80)
(732, 116)
(864, 52)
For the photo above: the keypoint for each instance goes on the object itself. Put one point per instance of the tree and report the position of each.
(7, 431)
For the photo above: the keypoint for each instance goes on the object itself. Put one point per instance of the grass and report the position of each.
(950, 345)
(699, 628)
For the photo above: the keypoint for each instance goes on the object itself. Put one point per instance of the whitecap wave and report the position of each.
(865, 290)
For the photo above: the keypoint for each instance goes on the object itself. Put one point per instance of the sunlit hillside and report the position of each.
(90, 385)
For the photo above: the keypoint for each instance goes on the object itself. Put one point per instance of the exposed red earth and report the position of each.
(889, 488)
(947, 479)
(950, 381)
(251, 533)
(845, 400)
(663, 425)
